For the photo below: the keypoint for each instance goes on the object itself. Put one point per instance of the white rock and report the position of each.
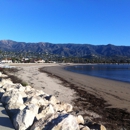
(62, 122)
(28, 88)
(48, 110)
(23, 94)
(12, 96)
(68, 107)
(3, 75)
(4, 81)
(37, 100)
(23, 119)
(53, 100)
(34, 92)
(12, 106)
(64, 107)
(80, 119)
(102, 127)
(40, 124)
(19, 87)
(68, 123)
(34, 108)
(9, 87)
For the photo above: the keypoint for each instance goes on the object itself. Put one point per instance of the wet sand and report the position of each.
(116, 93)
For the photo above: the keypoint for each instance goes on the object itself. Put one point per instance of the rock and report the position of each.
(47, 110)
(24, 118)
(80, 119)
(12, 96)
(9, 87)
(12, 106)
(13, 109)
(102, 127)
(19, 87)
(5, 81)
(23, 94)
(64, 122)
(53, 100)
(3, 75)
(37, 100)
(40, 124)
(61, 122)
(35, 92)
(0, 74)
(34, 108)
(28, 88)
(1, 92)
(64, 107)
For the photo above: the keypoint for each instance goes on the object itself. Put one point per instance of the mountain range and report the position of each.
(77, 50)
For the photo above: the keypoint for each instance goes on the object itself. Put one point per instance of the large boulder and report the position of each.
(45, 111)
(25, 117)
(12, 96)
(58, 122)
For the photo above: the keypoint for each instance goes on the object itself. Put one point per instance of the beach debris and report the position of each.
(33, 109)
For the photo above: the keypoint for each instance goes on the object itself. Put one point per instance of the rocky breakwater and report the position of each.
(31, 109)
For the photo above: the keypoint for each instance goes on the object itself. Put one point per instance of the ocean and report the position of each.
(117, 72)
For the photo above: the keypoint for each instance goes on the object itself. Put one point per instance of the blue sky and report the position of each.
(97, 22)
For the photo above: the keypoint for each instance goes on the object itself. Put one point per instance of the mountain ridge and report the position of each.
(68, 49)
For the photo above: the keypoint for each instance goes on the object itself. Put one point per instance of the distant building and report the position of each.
(6, 61)
(40, 61)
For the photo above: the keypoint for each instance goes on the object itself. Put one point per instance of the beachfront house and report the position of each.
(6, 61)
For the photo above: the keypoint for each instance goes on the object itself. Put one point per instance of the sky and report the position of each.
(97, 22)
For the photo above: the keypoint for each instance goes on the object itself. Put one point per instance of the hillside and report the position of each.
(78, 50)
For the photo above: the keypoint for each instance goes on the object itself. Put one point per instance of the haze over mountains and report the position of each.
(77, 50)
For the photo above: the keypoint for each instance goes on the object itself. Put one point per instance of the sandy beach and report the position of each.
(32, 76)
(96, 94)
(114, 92)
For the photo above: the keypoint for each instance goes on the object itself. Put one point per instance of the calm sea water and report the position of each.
(115, 72)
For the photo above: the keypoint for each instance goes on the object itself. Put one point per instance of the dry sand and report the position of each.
(53, 86)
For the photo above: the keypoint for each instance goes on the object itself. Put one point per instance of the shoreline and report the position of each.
(102, 100)
(115, 91)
